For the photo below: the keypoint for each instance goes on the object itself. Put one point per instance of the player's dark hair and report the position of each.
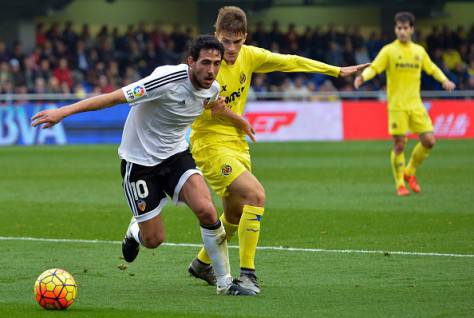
(404, 17)
(231, 19)
(205, 42)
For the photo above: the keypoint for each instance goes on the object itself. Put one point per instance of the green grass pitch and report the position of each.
(328, 196)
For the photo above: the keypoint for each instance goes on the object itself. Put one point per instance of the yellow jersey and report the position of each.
(235, 79)
(403, 64)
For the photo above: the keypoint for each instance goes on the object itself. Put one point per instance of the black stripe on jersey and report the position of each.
(159, 79)
(175, 79)
(166, 80)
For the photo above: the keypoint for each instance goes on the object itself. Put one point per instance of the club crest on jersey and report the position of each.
(243, 78)
(141, 204)
(138, 91)
(394, 125)
(206, 101)
(226, 170)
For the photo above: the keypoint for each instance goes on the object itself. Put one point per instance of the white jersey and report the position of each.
(165, 104)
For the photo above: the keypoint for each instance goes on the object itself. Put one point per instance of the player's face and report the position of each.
(232, 44)
(404, 31)
(204, 70)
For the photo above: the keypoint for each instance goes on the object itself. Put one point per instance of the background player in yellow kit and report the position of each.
(403, 60)
(219, 147)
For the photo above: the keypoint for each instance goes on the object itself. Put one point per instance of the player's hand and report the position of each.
(358, 81)
(448, 85)
(349, 70)
(217, 106)
(248, 130)
(48, 117)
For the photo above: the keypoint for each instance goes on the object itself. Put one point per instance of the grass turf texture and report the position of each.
(319, 195)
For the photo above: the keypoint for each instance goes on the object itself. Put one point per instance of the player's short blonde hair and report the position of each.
(231, 19)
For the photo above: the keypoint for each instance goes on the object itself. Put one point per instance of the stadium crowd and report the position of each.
(66, 61)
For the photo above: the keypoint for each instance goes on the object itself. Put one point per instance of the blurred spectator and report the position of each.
(361, 55)
(4, 56)
(105, 86)
(296, 90)
(40, 86)
(329, 92)
(44, 70)
(5, 73)
(260, 36)
(19, 78)
(63, 73)
(451, 58)
(334, 54)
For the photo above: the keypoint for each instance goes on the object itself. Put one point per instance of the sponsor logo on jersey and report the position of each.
(138, 91)
(226, 170)
(407, 65)
(270, 122)
(183, 102)
(243, 78)
(141, 204)
(234, 95)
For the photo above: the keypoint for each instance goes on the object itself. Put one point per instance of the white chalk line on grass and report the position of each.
(268, 248)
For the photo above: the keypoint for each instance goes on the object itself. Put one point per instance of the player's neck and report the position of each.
(230, 63)
(408, 42)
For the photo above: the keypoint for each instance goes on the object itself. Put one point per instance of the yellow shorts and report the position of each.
(221, 162)
(417, 121)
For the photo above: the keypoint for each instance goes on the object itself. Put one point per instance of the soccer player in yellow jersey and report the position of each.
(403, 60)
(219, 147)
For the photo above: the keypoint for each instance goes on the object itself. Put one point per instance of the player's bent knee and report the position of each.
(429, 143)
(399, 147)
(255, 197)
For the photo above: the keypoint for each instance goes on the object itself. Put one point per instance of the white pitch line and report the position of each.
(271, 248)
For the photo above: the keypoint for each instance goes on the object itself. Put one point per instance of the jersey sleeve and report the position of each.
(152, 86)
(431, 68)
(378, 65)
(265, 61)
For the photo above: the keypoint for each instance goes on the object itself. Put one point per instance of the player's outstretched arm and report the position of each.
(349, 70)
(51, 117)
(218, 108)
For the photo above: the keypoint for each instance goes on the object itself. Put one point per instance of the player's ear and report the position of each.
(190, 61)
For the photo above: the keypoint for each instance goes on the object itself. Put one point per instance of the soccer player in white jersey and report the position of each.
(156, 162)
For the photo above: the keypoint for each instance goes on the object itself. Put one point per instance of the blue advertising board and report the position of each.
(103, 126)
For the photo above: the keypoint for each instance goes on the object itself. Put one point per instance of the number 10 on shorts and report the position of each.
(139, 189)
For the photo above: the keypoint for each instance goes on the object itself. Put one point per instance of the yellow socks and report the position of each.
(418, 155)
(398, 166)
(249, 232)
(230, 229)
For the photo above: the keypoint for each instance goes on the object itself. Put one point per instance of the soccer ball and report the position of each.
(55, 289)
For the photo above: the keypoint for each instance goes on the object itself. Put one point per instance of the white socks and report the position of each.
(135, 230)
(215, 243)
